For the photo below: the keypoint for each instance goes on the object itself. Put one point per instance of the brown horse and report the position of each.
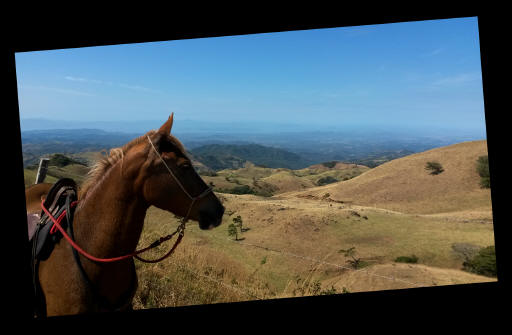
(150, 170)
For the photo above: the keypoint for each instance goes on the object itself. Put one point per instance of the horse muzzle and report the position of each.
(210, 218)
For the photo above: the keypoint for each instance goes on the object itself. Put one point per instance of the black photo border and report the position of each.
(45, 32)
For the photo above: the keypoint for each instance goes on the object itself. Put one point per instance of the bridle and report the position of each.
(193, 199)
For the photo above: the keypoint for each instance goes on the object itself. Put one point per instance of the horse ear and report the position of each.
(166, 127)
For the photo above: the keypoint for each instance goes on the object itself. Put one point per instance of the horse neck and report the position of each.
(109, 220)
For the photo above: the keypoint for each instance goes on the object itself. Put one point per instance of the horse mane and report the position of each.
(104, 164)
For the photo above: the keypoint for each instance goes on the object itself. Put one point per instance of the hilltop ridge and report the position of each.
(404, 185)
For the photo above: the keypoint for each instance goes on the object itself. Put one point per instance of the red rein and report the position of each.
(114, 259)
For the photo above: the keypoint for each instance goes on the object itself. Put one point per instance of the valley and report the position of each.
(328, 228)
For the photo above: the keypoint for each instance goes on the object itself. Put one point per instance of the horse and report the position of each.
(151, 170)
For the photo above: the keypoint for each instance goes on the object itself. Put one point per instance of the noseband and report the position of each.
(193, 199)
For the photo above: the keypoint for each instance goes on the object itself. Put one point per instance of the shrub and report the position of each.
(242, 189)
(484, 263)
(355, 262)
(326, 180)
(329, 291)
(482, 167)
(407, 259)
(434, 167)
(330, 165)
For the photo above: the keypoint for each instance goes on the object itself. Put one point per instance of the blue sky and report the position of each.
(412, 74)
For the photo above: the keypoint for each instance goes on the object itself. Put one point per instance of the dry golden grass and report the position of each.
(198, 272)
(303, 238)
(404, 185)
(286, 181)
(377, 278)
(338, 166)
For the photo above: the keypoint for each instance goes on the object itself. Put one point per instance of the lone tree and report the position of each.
(434, 167)
(233, 231)
(351, 252)
(482, 167)
(238, 222)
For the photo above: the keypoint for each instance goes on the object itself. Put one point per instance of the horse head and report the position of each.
(168, 180)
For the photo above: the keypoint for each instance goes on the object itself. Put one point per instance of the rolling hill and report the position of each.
(404, 185)
(293, 235)
(270, 181)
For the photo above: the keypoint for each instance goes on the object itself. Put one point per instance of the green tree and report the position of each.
(238, 222)
(482, 167)
(484, 263)
(326, 180)
(351, 252)
(434, 167)
(233, 231)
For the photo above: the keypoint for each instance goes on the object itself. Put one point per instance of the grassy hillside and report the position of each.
(227, 156)
(30, 177)
(292, 242)
(291, 248)
(271, 181)
(404, 185)
(59, 166)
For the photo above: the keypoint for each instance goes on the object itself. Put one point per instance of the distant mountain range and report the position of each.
(219, 150)
(180, 126)
(240, 127)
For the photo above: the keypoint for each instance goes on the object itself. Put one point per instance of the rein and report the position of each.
(180, 230)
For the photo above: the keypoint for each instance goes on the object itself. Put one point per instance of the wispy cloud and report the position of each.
(83, 80)
(457, 80)
(433, 52)
(127, 86)
(139, 88)
(59, 90)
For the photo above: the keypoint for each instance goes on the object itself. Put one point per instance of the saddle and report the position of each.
(58, 200)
